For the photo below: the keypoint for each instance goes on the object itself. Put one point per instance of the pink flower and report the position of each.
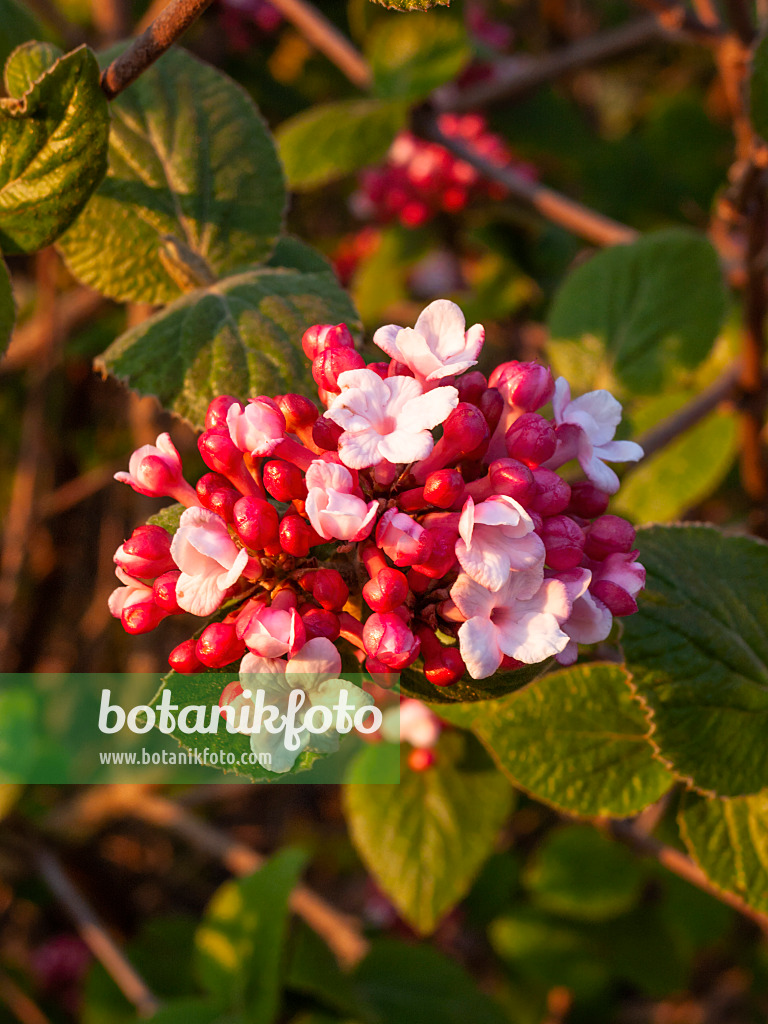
(596, 415)
(402, 539)
(411, 722)
(589, 622)
(134, 604)
(387, 419)
(209, 560)
(155, 470)
(522, 620)
(617, 580)
(496, 538)
(272, 631)
(258, 428)
(333, 507)
(438, 346)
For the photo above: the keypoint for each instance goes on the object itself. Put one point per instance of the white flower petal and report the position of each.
(479, 648)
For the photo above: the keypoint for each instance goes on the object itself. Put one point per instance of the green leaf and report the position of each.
(425, 839)
(728, 839)
(410, 57)
(7, 308)
(580, 873)
(758, 88)
(53, 150)
(575, 739)
(684, 472)
(639, 316)
(698, 653)
(293, 254)
(194, 188)
(414, 683)
(194, 1011)
(241, 336)
(16, 26)
(27, 64)
(168, 517)
(329, 141)
(239, 945)
(313, 971)
(409, 984)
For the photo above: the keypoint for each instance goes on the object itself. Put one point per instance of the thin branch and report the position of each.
(151, 44)
(326, 38)
(19, 1003)
(519, 75)
(574, 217)
(675, 17)
(74, 309)
(94, 933)
(79, 489)
(682, 866)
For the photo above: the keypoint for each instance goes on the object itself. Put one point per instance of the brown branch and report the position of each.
(174, 20)
(574, 217)
(326, 38)
(19, 1003)
(682, 866)
(94, 933)
(518, 75)
(75, 309)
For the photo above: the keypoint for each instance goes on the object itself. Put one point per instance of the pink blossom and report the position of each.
(387, 419)
(617, 580)
(258, 428)
(596, 414)
(135, 605)
(272, 631)
(402, 539)
(155, 470)
(209, 560)
(334, 505)
(589, 622)
(496, 538)
(437, 347)
(411, 722)
(522, 620)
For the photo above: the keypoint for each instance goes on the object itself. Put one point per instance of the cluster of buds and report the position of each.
(416, 512)
(420, 179)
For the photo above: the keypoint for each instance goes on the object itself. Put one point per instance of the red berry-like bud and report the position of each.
(326, 434)
(256, 522)
(512, 479)
(418, 581)
(465, 428)
(526, 385)
(328, 588)
(587, 501)
(608, 535)
(552, 493)
(386, 591)
(219, 645)
(327, 366)
(491, 405)
(184, 659)
(284, 481)
(320, 622)
(298, 411)
(222, 455)
(381, 368)
(443, 556)
(216, 493)
(297, 536)
(164, 591)
(216, 417)
(443, 666)
(564, 542)
(444, 488)
(323, 336)
(146, 554)
(420, 759)
(142, 618)
(471, 387)
(389, 640)
(616, 599)
(531, 439)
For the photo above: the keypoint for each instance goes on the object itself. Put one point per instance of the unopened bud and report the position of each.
(609, 535)
(219, 645)
(146, 554)
(564, 542)
(443, 665)
(323, 336)
(531, 439)
(222, 455)
(297, 536)
(216, 493)
(491, 405)
(326, 434)
(443, 488)
(552, 493)
(328, 588)
(389, 640)
(216, 417)
(386, 591)
(320, 622)
(284, 481)
(164, 590)
(442, 557)
(587, 501)
(421, 758)
(471, 387)
(327, 366)
(512, 479)
(256, 522)
(616, 599)
(525, 385)
(184, 659)
(402, 539)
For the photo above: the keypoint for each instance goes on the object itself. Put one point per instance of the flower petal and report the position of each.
(479, 647)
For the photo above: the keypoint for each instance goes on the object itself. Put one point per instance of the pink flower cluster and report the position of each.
(419, 515)
(420, 179)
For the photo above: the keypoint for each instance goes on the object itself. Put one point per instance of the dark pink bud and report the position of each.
(402, 539)
(587, 500)
(142, 618)
(328, 588)
(381, 368)
(421, 758)
(608, 535)
(443, 666)
(184, 659)
(297, 536)
(491, 405)
(418, 581)
(389, 640)
(444, 488)
(216, 417)
(216, 493)
(146, 554)
(386, 591)
(326, 434)
(284, 481)
(552, 493)
(471, 387)
(526, 385)
(298, 411)
(222, 455)
(219, 645)
(398, 369)
(616, 599)
(256, 522)
(164, 591)
(320, 622)
(564, 542)
(327, 366)
(465, 428)
(512, 479)
(324, 336)
(443, 555)
(531, 439)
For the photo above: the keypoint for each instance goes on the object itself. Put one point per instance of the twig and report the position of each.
(74, 309)
(677, 18)
(74, 491)
(682, 866)
(93, 932)
(326, 38)
(19, 1003)
(111, 20)
(518, 75)
(573, 216)
(151, 44)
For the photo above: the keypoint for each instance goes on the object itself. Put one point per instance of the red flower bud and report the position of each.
(320, 622)
(326, 434)
(142, 618)
(386, 591)
(552, 493)
(284, 481)
(531, 439)
(222, 455)
(219, 645)
(471, 386)
(389, 640)
(491, 405)
(421, 758)
(216, 417)
(381, 368)
(327, 366)
(297, 536)
(616, 599)
(324, 336)
(216, 493)
(184, 659)
(299, 412)
(512, 479)
(564, 542)
(443, 556)
(587, 500)
(146, 554)
(526, 385)
(608, 535)
(443, 665)
(444, 487)
(256, 522)
(164, 591)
